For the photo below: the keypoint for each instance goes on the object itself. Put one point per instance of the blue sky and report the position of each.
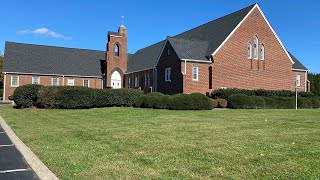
(84, 24)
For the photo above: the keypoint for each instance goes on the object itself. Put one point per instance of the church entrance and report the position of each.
(116, 80)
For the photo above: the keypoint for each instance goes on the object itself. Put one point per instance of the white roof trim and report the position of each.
(164, 45)
(299, 70)
(195, 60)
(115, 36)
(52, 74)
(139, 71)
(236, 28)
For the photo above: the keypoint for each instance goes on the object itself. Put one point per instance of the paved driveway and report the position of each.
(12, 164)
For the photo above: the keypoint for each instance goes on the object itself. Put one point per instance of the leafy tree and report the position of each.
(314, 83)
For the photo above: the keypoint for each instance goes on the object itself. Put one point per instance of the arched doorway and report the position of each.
(116, 80)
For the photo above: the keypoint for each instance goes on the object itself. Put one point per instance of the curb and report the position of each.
(35, 163)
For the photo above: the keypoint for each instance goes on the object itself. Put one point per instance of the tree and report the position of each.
(314, 83)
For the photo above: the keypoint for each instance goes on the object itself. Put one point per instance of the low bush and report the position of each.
(116, 97)
(225, 93)
(75, 97)
(285, 102)
(162, 102)
(270, 103)
(1, 92)
(315, 102)
(200, 101)
(152, 99)
(240, 101)
(26, 96)
(215, 103)
(139, 101)
(47, 97)
(222, 103)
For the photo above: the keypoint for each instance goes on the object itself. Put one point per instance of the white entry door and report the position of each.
(116, 80)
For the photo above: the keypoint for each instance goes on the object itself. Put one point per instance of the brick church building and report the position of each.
(240, 50)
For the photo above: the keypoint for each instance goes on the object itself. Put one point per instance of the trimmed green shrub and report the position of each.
(258, 102)
(240, 101)
(151, 99)
(200, 101)
(270, 103)
(116, 97)
(47, 97)
(222, 103)
(162, 102)
(75, 97)
(225, 93)
(285, 102)
(180, 102)
(1, 92)
(26, 96)
(315, 102)
(139, 101)
(304, 103)
(194, 101)
(215, 103)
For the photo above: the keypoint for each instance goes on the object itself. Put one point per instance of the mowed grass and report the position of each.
(130, 143)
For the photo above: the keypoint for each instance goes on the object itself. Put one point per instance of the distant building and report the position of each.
(240, 50)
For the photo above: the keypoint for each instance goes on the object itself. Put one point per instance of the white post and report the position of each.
(296, 98)
(296, 87)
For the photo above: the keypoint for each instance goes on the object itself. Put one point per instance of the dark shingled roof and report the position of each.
(198, 43)
(29, 58)
(145, 58)
(297, 64)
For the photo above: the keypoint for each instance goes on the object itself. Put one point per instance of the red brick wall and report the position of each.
(46, 81)
(145, 87)
(118, 63)
(173, 61)
(190, 85)
(232, 69)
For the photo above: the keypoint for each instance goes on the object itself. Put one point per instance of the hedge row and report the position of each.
(225, 93)
(72, 97)
(242, 101)
(195, 101)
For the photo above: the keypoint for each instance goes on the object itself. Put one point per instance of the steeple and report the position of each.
(122, 29)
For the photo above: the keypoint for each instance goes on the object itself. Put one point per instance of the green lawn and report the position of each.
(129, 143)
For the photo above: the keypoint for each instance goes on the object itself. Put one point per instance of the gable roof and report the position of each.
(197, 43)
(297, 64)
(145, 58)
(190, 49)
(39, 59)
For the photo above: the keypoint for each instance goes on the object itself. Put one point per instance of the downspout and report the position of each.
(185, 67)
(305, 81)
(4, 86)
(155, 79)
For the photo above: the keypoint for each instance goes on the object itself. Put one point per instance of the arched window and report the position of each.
(116, 50)
(255, 47)
(262, 52)
(249, 54)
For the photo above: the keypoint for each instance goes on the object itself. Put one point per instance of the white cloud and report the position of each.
(45, 32)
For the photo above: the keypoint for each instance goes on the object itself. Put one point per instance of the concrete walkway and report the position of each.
(12, 164)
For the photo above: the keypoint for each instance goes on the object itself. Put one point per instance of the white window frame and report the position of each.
(12, 85)
(255, 48)
(195, 73)
(249, 53)
(33, 79)
(167, 74)
(262, 54)
(145, 80)
(52, 81)
(136, 81)
(298, 80)
(149, 80)
(129, 82)
(70, 82)
(84, 81)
